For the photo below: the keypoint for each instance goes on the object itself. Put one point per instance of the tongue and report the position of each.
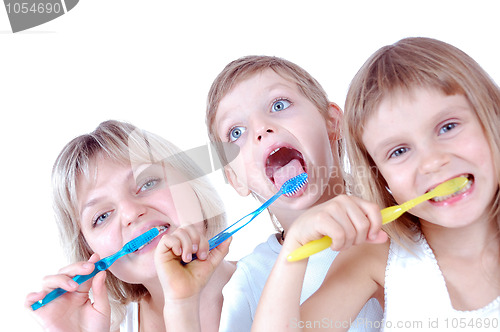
(283, 174)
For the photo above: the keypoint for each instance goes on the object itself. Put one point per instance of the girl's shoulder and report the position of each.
(365, 260)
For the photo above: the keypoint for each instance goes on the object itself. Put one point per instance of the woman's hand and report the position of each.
(73, 311)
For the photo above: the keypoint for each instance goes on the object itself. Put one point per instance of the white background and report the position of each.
(151, 63)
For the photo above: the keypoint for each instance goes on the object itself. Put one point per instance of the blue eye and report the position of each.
(447, 127)
(100, 219)
(398, 152)
(280, 105)
(235, 133)
(148, 185)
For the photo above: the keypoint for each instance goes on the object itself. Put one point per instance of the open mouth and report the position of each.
(283, 164)
(470, 181)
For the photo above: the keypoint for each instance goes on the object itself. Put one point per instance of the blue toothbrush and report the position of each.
(288, 188)
(105, 263)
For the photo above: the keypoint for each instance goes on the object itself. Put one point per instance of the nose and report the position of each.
(263, 132)
(131, 210)
(433, 160)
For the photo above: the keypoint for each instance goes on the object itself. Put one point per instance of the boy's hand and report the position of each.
(73, 310)
(347, 220)
(186, 281)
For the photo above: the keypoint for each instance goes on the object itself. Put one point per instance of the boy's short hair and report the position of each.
(242, 68)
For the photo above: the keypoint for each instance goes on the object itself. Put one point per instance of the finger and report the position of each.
(101, 300)
(32, 298)
(217, 254)
(186, 243)
(381, 237)
(169, 244)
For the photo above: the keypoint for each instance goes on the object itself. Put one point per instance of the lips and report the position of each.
(283, 163)
(469, 184)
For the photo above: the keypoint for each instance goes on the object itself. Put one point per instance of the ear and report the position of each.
(240, 187)
(334, 122)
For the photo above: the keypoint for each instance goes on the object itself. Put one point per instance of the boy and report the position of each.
(284, 125)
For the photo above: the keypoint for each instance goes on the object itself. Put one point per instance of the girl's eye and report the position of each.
(280, 105)
(100, 219)
(235, 133)
(447, 127)
(149, 184)
(398, 152)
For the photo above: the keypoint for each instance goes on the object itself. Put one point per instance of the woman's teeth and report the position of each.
(464, 189)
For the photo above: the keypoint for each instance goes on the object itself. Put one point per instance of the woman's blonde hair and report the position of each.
(409, 63)
(123, 143)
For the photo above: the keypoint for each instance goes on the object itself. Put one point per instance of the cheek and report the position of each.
(399, 185)
(105, 244)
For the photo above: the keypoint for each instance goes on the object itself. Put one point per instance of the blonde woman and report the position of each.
(109, 187)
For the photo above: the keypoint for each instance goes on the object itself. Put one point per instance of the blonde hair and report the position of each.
(245, 67)
(412, 62)
(123, 143)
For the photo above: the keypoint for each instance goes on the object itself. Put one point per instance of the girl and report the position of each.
(109, 187)
(418, 113)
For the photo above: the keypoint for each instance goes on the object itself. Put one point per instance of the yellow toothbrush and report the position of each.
(388, 214)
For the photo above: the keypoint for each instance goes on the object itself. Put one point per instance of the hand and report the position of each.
(73, 310)
(347, 220)
(186, 281)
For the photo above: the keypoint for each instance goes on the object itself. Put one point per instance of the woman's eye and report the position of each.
(235, 133)
(398, 152)
(447, 127)
(100, 219)
(280, 105)
(148, 185)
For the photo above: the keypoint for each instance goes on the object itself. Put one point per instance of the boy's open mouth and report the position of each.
(283, 164)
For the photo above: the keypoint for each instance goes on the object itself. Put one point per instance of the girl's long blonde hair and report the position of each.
(409, 63)
(123, 143)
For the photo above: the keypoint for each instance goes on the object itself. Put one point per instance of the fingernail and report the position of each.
(72, 283)
(203, 255)
(87, 265)
(195, 247)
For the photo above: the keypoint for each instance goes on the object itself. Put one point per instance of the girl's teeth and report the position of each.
(464, 189)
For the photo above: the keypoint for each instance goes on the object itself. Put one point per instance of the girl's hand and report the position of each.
(347, 220)
(73, 310)
(186, 281)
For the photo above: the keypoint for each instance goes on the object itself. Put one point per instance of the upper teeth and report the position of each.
(274, 151)
(464, 189)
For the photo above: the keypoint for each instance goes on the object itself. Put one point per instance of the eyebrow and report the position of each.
(96, 200)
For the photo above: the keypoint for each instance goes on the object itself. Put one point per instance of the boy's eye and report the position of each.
(280, 105)
(447, 127)
(100, 219)
(235, 133)
(149, 184)
(398, 152)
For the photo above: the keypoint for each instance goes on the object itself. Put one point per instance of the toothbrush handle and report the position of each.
(309, 249)
(80, 279)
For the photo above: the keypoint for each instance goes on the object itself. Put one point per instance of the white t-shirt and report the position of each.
(131, 321)
(417, 298)
(242, 292)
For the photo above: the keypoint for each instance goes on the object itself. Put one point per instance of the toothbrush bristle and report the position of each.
(144, 239)
(293, 185)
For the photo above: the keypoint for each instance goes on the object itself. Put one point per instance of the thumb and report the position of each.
(99, 290)
(381, 237)
(217, 254)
